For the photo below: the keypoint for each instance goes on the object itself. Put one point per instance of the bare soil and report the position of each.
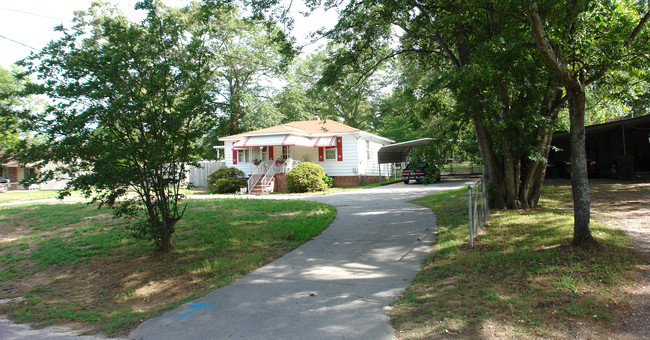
(627, 205)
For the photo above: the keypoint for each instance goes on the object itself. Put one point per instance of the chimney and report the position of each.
(315, 117)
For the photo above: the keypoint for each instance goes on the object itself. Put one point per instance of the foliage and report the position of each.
(343, 100)
(305, 177)
(13, 108)
(329, 181)
(226, 180)
(299, 99)
(129, 101)
(249, 52)
(595, 39)
(225, 172)
(460, 63)
(227, 185)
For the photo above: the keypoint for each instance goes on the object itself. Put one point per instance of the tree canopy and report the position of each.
(13, 108)
(509, 66)
(129, 102)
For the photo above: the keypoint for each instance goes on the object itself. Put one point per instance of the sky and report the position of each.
(28, 25)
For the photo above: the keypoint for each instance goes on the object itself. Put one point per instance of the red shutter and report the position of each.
(234, 156)
(339, 148)
(270, 153)
(321, 154)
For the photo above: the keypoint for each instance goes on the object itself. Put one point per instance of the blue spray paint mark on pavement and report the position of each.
(196, 306)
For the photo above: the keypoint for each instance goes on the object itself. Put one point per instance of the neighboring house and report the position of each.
(347, 154)
(16, 172)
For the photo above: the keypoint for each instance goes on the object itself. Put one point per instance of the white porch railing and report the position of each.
(256, 177)
(267, 170)
(268, 177)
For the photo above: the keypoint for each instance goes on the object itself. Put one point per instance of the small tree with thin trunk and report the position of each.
(129, 103)
(589, 39)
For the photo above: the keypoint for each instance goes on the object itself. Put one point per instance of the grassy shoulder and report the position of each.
(75, 264)
(26, 195)
(522, 279)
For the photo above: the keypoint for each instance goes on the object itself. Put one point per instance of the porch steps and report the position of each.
(259, 188)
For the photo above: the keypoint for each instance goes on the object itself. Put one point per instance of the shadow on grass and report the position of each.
(76, 264)
(522, 279)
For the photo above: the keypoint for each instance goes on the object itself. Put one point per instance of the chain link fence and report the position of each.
(479, 210)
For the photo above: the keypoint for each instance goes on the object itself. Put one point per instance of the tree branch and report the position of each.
(629, 41)
(543, 42)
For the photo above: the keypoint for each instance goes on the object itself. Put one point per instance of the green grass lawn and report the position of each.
(521, 280)
(24, 195)
(73, 263)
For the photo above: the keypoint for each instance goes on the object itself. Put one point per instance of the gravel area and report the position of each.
(627, 205)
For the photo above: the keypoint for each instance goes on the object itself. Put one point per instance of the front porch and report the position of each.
(268, 176)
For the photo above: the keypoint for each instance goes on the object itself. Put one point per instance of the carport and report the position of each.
(398, 152)
(623, 144)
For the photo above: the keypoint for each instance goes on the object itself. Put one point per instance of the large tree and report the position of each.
(249, 54)
(476, 51)
(482, 51)
(582, 43)
(128, 103)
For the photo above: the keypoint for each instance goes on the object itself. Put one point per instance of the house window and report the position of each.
(368, 149)
(330, 153)
(242, 156)
(264, 153)
(3, 172)
(286, 152)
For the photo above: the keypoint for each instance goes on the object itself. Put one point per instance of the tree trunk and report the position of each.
(493, 168)
(166, 245)
(511, 179)
(579, 181)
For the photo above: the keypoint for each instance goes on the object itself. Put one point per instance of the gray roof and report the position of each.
(396, 153)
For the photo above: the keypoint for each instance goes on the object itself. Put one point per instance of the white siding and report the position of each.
(345, 167)
(369, 167)
(247, 167)
(354, 161)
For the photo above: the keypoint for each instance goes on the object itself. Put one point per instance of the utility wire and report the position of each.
(18, 42)
(34, 14)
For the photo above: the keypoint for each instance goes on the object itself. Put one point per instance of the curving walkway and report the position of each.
(338, 285)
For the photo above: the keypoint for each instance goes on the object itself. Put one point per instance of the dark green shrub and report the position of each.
(226, 172)
(226, 180)
(329, 181)
(228, 185)
(306, 177)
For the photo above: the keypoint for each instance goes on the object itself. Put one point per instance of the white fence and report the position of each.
(198, 176)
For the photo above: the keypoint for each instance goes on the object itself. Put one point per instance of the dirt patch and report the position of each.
(627, 205)
(110, 285)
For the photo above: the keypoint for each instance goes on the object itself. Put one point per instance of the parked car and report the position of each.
(592, 169)
(4, 184)
(418, 171)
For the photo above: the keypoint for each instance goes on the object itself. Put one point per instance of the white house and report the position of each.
(347, 154)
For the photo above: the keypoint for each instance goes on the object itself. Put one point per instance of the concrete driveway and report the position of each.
(337, 286)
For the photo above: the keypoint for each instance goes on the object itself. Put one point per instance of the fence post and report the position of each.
(471, 221)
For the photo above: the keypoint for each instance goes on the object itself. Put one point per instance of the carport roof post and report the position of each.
(397, 153)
